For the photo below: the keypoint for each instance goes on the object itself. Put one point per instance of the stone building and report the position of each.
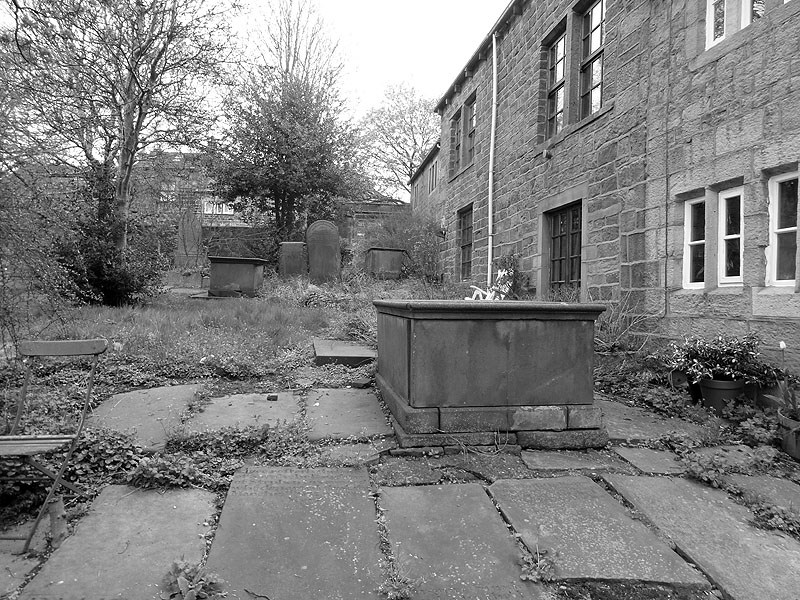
(643, 151)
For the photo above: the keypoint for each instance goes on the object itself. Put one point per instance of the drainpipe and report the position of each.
(491, 161)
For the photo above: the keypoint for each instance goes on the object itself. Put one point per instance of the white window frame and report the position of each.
(747, 8)
(722, 237)
(772, 248)
(432, 176)
(710, 41)
(215, 207)
(688, 244)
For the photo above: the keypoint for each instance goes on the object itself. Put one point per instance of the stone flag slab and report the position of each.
(151, 415)
(568, 460)
(125, 545)
(628, 423)
(324, 255)
(714, 533)
(342, 353)
(298, 534)
(782, 493)
(592, 535)
(655, 462)
(453, 543)
(344, 413)
(244, 410)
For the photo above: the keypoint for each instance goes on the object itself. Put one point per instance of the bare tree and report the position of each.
(100, 80)
(400, 132)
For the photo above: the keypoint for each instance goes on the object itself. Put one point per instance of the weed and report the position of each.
(538, 566)
(185, 581)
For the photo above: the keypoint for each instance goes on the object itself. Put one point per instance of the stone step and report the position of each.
(345, 413)
(715, 533)
(588, 533)
(150, 415)
(452, 544)
(126, 545)
(297, 534)
(338, 352)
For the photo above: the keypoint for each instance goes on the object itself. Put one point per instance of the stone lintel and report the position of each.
(584, 416)
(537, 418)
(569, 440)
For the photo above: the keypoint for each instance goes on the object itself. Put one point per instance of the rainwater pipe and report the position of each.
(492, 135)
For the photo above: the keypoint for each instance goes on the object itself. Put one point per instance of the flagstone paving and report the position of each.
(151, 415)
(570, 460)
(451, 541)
(243, 410)
(653, 462)
(297, 534)
(778, 492)
(627, 423)
(344, 413)
(714, 533)
(590, 535)
(126, 544)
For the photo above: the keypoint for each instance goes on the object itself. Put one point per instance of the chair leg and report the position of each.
(51, 475)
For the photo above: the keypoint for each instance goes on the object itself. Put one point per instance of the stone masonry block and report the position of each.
(538, 418)
(563, 440)
(473, 418)
(584, 417)
(487, 438)
(416, 420)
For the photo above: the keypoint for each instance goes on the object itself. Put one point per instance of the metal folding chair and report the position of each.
(22, 447)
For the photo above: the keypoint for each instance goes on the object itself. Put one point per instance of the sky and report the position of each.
(425, 43)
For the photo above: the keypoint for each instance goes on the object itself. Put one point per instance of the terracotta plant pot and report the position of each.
(717, 393)
(790, 430)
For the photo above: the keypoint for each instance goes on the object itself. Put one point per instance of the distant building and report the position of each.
(642, 150)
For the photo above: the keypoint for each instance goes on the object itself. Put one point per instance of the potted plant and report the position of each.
(788, 412)
(722, 366)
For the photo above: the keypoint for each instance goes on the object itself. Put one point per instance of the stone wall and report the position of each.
(677, 121)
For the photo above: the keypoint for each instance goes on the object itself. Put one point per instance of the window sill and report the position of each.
(572, 128)
(723, 290)
(463, 169)
(774, 290)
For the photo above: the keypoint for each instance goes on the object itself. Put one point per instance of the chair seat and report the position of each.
(30, 445)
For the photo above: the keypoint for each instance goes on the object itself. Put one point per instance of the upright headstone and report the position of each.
(292, 260)
(324, 257)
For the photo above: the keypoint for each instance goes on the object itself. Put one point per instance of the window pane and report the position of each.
(733, 215)
(787, 204)
(696, 262)
(559, 72)
(597, 39)
(787, 250)
(698, 224)
(733, 267)
(719, 19)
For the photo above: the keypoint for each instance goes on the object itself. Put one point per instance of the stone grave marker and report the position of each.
(296, 534)
(292, 260)
(453, 543)
(324, 256)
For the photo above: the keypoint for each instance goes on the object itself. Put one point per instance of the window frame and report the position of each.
(588, 57)
(566, 256)
(470, 129)
(747, 11)
(771, 250)
(456, 132)
(723, 237)
(556, 85)
(433, 173)
(710, 8)
(465, 241)
(688, 243)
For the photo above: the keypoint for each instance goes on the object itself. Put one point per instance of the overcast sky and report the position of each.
(422, 42)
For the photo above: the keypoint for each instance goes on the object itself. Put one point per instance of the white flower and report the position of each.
(782, 345)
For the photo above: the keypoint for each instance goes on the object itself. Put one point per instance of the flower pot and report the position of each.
(790, 430)
(717, 393)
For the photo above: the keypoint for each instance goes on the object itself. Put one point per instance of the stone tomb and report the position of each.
(324, 255)
(235, 276)
(453, 369)
(296, 534)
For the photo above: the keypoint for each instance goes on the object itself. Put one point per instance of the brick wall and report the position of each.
(678, 122)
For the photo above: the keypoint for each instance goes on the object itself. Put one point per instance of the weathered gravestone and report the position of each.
(324, 256)
(292, 261)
